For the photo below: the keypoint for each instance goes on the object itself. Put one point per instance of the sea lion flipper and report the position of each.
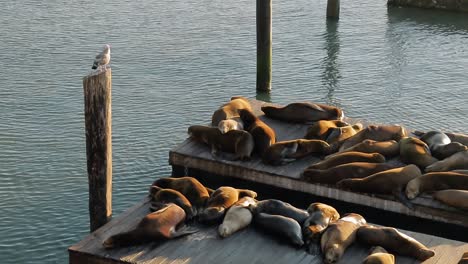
(183, 231)
(418, 133)
(209, 190)
(402, 198)
(248, 193)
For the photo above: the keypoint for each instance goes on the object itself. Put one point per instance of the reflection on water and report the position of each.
(330, 67)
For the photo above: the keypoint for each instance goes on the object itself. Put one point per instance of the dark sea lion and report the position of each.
(320, 216)
(436, 181)
(415, 151)
(158, 225)
(237, 217)
(283, 152)
(339, 235)
(377, 133)
(321, 129)
(303, 112)
(344, 171)
(389, 148)
(230, 110)
(454, 198)
(394, 241)
(220, 200)
(239, 142)
(378, 255)
(263, 135)
(347, 157)
(440, 144)
(391, 181)
(458, 160)
(285, 227)
(454, 137)
(227, 125)
(278, 207)
(160, 197)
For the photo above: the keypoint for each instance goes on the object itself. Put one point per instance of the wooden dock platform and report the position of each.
(247, 246)
(194, 155)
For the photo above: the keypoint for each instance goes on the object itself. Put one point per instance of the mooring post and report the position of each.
(333, 9)
(98, 120)
(264, 49)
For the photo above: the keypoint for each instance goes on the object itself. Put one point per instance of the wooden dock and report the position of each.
(247, 246)
(194, 155)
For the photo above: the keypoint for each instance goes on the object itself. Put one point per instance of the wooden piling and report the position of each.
(333, 9)
(264, 49)
(98, 120)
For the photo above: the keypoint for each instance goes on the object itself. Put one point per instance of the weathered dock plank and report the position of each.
(194, 155)
(247, 246)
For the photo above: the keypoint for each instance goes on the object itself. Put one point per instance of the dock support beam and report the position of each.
(264, 49)
(333, 9)
(98, 122)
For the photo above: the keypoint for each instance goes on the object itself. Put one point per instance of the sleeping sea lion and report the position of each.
(285, 227)
(415, 151)
(339, 235)
(377, 133)
(278, 207)
(234, 123)
(347, 157)
(263, 135)
(458, 160)
(303, 112)
(230, 110)
(379, 255)
(455, 198)
(321, 129)
(320, 216)
(440, 144)
(389, 148)
(436, 181)
(283, 152)
(237, 217)
(239, 142)
(160, 197)
(454, 137)
(338, 135)
(158, 225)
(394, 241)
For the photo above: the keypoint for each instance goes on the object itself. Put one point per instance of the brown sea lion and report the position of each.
(230, 110)
(347, 157)
(263, 135)
(160, 197)
(338, 135)
(458, 160)
(239, 142)
(321, 129)
(394, 241)
(283, 152)
(227, 125)
(436, 181)
(303, 112)
(391, 181)
(389, 148)
(415, 151)
(320, 216)
(454, 137)
(220, 200)
(162, 224)
(190, 187)
(377, 133)
(237, 217)
(378, 255)
(455, 198)
(278, 207)
(285, 227)
(344, 171)
(339, 235)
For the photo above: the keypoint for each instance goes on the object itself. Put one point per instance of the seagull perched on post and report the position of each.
(102, 58)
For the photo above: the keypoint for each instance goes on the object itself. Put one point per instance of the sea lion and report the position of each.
(321, 129)
(347, 157)
(230, 110)
(394, 241)
(320, 216)
(160, 197)
(455, 198)
(344, 171)
(303, 112)
(458, 160)
(283, 152)
(237, 217)
(440, 144)
(239, 142)
(234, 123)
(282, 226)
(338, 135)
(190, 187)
(263, 135)
(378, 255)
(220, 200)
(377, 133)
(436, 181)
(386, 182)
(454, 137)
(158, 225)
(339, 235)
(389, 148)
(278, 207)
(415, 151)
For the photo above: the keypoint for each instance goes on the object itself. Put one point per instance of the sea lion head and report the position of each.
(212, 214)
(333, 254)
(339, 114)
(224, 230)
(227, 125)
(412, 189)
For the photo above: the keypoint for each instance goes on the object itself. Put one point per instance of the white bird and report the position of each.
(102, 58)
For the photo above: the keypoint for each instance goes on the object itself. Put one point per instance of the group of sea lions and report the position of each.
(178, 202)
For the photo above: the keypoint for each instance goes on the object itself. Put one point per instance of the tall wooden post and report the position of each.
(264, 49)
(333, 9)
(98, 120)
